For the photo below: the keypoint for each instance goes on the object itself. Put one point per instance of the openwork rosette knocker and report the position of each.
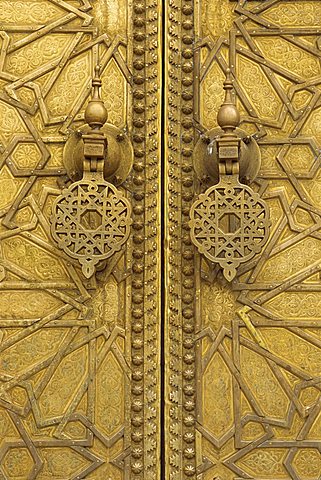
(91, 219)
(229, 222)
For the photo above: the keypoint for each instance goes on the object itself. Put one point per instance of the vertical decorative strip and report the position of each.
(180, 414)
(146, 319)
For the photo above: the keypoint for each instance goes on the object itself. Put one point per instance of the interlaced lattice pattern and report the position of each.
(229, 225)
(91, 222)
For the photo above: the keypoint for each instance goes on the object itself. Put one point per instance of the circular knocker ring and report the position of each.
(90, 222)
(229, 225)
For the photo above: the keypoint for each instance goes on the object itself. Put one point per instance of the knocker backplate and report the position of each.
(229, 225)
(120, 154)
(90, 222)
(206, 161)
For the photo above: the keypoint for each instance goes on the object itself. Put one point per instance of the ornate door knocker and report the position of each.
(229, 222)
(91, 219)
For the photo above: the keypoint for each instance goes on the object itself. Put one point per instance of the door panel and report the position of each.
(79, 357)
(80, 390)
(243, 397)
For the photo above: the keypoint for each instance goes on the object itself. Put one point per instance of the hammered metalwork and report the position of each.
(80, 358)
(120, 154)
(229, 224)
(91, 222)
(74, 351)
(206, 162)
(243, 381)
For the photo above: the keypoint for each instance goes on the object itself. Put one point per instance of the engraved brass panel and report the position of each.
(80, 358)
(79, 388)
(243, 378)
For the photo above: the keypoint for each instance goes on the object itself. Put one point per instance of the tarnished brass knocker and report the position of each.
(91, 218)
(229, 222)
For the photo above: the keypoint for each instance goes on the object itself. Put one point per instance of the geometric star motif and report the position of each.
(90, 222)
(229, 224)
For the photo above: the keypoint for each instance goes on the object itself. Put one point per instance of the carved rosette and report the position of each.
(91, 221)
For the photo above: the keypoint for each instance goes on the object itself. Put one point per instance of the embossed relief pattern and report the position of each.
(78, 378)
(180, 414)
(255, 411)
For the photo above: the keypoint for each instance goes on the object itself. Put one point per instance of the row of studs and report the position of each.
(137, 415)
(181, 258)
(188, 293)
(152, 266)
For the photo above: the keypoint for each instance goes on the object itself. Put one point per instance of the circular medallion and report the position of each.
(90, 222)
(229, 225)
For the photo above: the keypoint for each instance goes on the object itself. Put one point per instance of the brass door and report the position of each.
(150, 364)
(243, 384)
(79, 356)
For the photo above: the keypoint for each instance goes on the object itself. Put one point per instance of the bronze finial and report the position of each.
(96, 113)
(228, 116)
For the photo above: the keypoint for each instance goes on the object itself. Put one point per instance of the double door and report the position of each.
(160, 361)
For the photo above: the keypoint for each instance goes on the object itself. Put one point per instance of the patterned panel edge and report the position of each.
(180, 311)
(146, 237)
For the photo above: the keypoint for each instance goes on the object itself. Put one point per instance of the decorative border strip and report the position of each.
(181, 321)
(145, 416)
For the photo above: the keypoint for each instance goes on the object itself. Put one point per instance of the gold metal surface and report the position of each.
(120, 154)
(79, 375)
(229, 222)
(91, 219)
(243, 375)
(206, 163)
(80, 358)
